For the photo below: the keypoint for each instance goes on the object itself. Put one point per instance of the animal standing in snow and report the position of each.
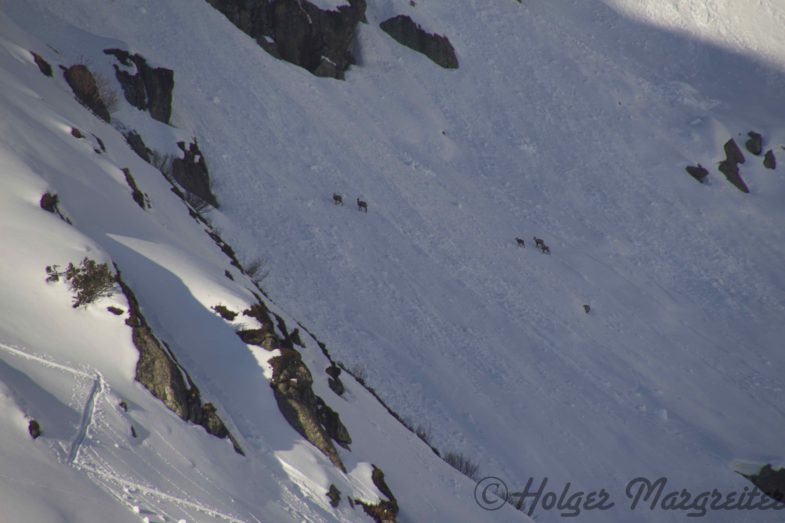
(538, 242)
(546, 249)
(337, 199)
(520, 242)
(361, 205)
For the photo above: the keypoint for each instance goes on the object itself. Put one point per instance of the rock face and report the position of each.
(299, 32)
(385, 511)
(82, 83)
(755, 143)
(42, 64)
(138, 146)
(769, 160)
(436, 47)
(306, 412)
(191, 172)
(159, 372)
(729, 166)
(698, 172)
(150, 88)
(771, 482)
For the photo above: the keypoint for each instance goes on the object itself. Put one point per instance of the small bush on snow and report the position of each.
(89, 282)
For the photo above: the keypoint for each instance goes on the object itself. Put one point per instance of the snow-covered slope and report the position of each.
(571, 121)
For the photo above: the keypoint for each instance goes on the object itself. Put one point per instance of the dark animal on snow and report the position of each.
(539, 242)
(337, 199)
(520, 242)
(361, 205)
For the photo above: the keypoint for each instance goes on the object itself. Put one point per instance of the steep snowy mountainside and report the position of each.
(568, 120)
(109, 450)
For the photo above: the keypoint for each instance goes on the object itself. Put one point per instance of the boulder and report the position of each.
(299, 32)
(698, 172)
(436, 47)
(191, 173)
(769, 160)
(149, 88)
(755, 143)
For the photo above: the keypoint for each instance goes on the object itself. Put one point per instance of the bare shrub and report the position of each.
(107, 92)
(462, 464)
(163, 162)
(257, 270)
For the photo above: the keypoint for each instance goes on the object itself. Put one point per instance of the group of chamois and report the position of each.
(539, 243)
(361, 205)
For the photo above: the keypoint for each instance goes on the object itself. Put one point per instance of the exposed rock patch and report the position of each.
(730, 165)
(303, 409)
(191, 173)
(385, 511)
(149, 89)
(138, 146)
(42, 64)
(139, 197)
(83, 84)
(299, 32)
(34, 429)
(769, 160)
(755, 143)
(158, 371)
(698, 172)
(771, 482)
(436, 47)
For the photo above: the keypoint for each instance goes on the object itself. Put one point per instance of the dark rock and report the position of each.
(133, 431)
(228, 274)
(150, 88)
(769, 160)
(732, 152)
(698, 172)
(34, 428)
(49, 202)
(334, 495)
(100, 143)
(299, 32)
(76, 133)
(124, 406)
(771, 482)
(264, 337)
(436, 47)
(295, 337)
(136, 194)
(304, 410)
(82, 83)
(191, 173)
(158, 371)
(138, 146)
(731, 172)
(42, 64)
(117, 311)
(225, 312)
(385, 511)
(755, 143)
(336, 385)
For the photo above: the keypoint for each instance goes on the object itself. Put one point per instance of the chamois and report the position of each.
(361, 205)
(520, 242)
(337, 199)
(539, 242)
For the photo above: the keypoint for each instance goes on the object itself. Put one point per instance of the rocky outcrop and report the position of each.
(149, 88)
(139, 197)
(158, 371)
(755, 143)
(305, 411)
(771, 482)
(42, 64)
(138, 146)
(698, 172)
(299, 32)
(436, 47)
(385, 511)
(191, 173)
(769, 160)
(83, 84)
(730, 165)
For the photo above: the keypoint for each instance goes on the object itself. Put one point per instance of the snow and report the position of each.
(571, 121)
